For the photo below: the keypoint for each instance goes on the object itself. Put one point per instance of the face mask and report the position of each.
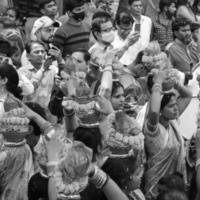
(79, 16)
(108, 37)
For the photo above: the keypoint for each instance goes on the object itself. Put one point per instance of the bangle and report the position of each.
(157, 86)
(107, 179)
(108, 70)
(109, 66)
(99, 179)
(52, 163)
(68, 113)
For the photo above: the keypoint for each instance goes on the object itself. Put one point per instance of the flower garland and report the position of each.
(88, 107)
(73, 188)
(120, 140)
(71, 173)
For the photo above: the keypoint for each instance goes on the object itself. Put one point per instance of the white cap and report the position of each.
(42, 22)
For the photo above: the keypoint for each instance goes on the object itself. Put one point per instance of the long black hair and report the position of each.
(91, 137)
(9, 72)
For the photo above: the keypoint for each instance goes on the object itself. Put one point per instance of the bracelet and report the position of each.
(157, 86)
(152, 126)
(68, 113)
(99, 179)
(108, 65)
(50, 163)
(109, 70)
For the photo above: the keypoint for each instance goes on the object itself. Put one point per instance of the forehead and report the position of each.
(173, 100)
(49, 4)
(48, 28)
(78, 55)
(182, 28)
(106, 25)
(137, 3)
(36, 47)
(79, 8)
(172, 5)
(125, 27)
(119, 91)
(11, 12)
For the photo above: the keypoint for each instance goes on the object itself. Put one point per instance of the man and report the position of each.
(103, 33)
(49, 8)
(41, 77)
(184, 52)
(142, 25)
(162, 28)
(74, 33)
(43, 30)
(123, 37)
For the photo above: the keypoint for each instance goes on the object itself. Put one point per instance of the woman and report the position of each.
(16, 158)
(92, 138)
(13, 33)
(123, 136)
(164, 144)
(97, 177)
(185, 10)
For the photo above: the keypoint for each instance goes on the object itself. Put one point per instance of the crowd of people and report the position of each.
(100, 103)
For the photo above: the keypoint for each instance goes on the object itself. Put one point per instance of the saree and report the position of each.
(16, 165)
(15, 171)
(168, 160)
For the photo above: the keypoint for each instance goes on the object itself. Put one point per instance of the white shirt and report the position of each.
(98, 52)
(145, 32)
(42, 93)
(118, 42)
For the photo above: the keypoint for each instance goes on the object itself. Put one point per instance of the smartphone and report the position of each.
(137, 28)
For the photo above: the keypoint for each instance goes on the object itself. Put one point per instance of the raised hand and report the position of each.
(133, 38)
(104, 106)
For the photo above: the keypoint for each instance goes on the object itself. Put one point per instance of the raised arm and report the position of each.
(198, 163)
(155, 102)
(102, 181)
(184, 12)
(184, 98)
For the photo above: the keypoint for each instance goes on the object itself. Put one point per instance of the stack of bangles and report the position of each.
(99, 178)
(157, 87)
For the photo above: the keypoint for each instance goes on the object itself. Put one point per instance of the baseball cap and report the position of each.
(42, 22)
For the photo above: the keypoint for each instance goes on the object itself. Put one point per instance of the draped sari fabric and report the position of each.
(168, 160)
(16, 166)
(15, 171)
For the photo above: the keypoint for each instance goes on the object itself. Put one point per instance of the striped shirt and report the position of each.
(71, 36)
(162, 32)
